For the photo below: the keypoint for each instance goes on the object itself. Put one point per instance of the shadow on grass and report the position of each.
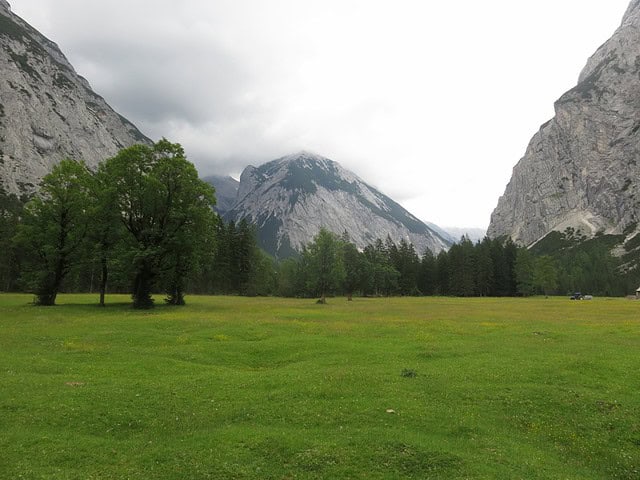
(123, 302)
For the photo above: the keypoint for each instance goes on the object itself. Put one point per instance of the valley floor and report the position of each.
(266, 388)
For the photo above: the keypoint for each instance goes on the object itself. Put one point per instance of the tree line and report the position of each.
(142, 223)
(332, 265)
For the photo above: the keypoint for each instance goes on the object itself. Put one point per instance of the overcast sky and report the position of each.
(433, 102)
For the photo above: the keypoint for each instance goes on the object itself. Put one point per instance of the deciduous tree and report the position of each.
(165, 207)
(54, 228)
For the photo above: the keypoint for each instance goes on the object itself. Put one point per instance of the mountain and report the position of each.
(581, 169)
(226, 191)
(47, 111)
(473, 234)
(291, 198)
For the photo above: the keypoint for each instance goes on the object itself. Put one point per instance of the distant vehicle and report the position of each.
(580, 296)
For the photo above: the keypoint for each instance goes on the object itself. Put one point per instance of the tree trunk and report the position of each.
(142, 286)
(175, 294)
(46, 299)
(103, 279)
(49, 286)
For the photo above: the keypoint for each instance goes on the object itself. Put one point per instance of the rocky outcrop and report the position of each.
(291, 198)
(582, 168)
(47, 111)
(226, 191)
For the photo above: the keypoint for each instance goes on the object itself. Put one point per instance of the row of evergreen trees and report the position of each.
(333, 265)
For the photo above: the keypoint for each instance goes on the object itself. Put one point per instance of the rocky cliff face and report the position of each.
(226, 191)
(582, 168)
(47, 111)
(290, 199)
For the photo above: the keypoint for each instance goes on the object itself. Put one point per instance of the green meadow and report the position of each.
(266, 388)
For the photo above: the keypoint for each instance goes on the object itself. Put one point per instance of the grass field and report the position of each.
(244, 388)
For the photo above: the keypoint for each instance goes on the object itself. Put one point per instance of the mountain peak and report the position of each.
(291, 198)
(304, 157)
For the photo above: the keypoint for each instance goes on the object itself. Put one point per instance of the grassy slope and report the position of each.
(269, 388)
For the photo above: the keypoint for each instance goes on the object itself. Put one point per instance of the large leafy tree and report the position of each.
(166, 209)
(54, 229)
(105, 230)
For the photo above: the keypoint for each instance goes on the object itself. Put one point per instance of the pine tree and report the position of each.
(353, 267)
(524, 270)
(484, 269)
(427, 280)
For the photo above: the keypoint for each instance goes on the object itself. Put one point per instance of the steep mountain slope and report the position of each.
(47, 111)
(291, 198)
(581, 169)
(226, 191)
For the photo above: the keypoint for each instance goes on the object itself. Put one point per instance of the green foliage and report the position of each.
(354, 267)
(148, 226)
(462, 269)
(407, 263)
(54, 228)
(588, 265)
(324, 259)
(11, 208)
(106, 231)
(166, 209)
(262, 277)
(384, 268)
(237, 265)
(142, 219)
(427, 279)
(545, 275)
(484, 269)
(524, 272)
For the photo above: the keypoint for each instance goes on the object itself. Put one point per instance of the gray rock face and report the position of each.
(582, 168)
(47, 111)
(226, 192)
(291, 198)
